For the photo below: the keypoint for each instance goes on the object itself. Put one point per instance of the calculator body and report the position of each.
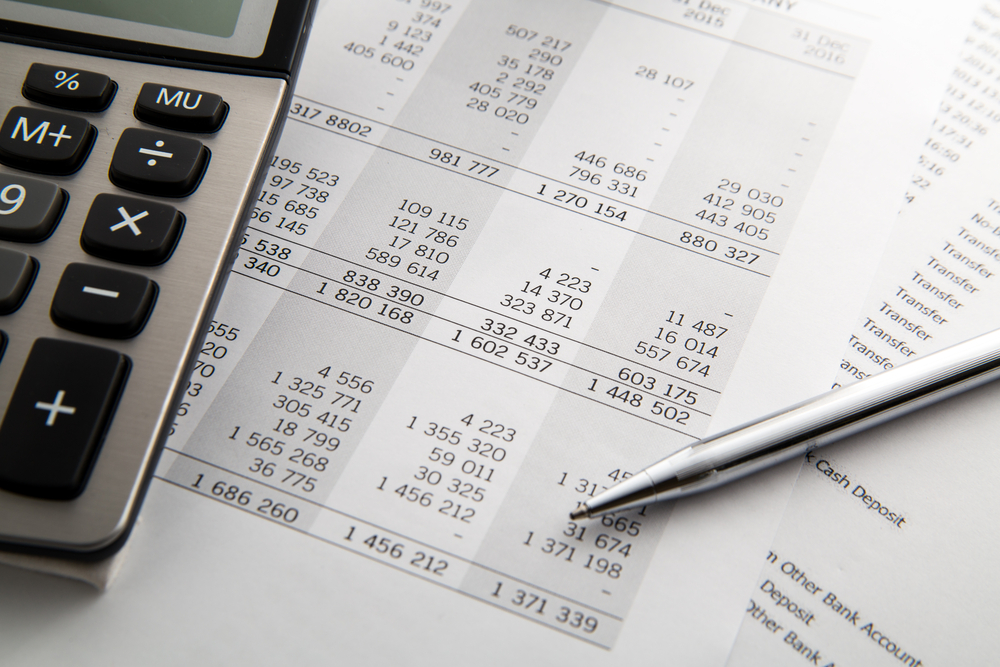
(111, 204)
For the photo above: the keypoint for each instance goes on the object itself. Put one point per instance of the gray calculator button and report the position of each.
(29, 208)
(17, 271)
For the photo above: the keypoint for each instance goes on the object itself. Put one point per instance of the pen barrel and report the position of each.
(836, 414)
(784, 435)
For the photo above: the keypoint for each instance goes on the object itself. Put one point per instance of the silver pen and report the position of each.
(801, 428)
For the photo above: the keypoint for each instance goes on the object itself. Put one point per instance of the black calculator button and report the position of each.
(68, 88)
(157, 163)
(45, 141)
(131, 231)
(17, 272)
(99, 301)
(180, 108)
(29, 208)
(57, 418)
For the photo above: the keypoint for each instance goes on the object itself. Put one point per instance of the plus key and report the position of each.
(58, 416)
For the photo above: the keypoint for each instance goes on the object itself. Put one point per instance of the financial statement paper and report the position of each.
(899, 569)
(505, 255)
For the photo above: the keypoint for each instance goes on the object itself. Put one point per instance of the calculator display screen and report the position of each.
(229, 27)
(210, 18)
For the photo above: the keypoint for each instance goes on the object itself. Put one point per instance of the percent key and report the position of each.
(67, 88)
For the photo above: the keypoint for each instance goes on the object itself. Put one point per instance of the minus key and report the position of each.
(99, 301)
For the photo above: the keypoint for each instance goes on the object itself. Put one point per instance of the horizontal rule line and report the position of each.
(489, 361)
(374, 526)
(595, 218)
(486, 334)
(445, 295)
(399, 568)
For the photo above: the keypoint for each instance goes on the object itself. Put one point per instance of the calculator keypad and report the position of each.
(36, 458)
(119, 249)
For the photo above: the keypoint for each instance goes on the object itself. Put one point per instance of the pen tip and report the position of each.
(581, 513)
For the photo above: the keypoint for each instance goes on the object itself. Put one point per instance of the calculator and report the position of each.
(132, 139)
